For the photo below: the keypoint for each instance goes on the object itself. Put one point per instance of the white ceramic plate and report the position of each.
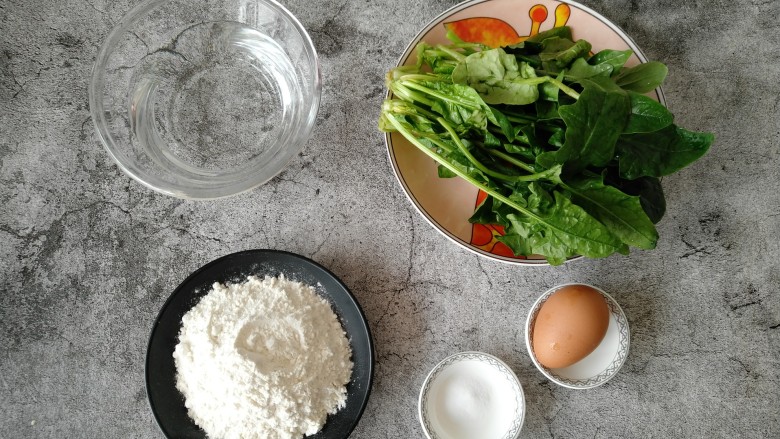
(600, 365)
(469, 395)
(447, 203)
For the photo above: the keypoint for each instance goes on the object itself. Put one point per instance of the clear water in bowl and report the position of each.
(218, 99)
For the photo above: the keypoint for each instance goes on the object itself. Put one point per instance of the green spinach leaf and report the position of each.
(593, 125)
(498, 78)
(560, 229)
(580, 69)
(643, 78)
(622, 214)
(614, 58)
(661, 152)
(560, 32)
(649, 191)
(561, 52)
(647, 115)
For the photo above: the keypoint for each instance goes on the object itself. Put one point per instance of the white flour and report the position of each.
(263, 359)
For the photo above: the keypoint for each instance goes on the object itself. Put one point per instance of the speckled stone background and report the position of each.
(88, 256)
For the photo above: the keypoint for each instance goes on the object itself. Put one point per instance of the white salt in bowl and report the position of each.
(471, 394)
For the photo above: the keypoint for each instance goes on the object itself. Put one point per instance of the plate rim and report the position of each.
(453, 358)
(615, 310)
(221, 259)
(388, 141)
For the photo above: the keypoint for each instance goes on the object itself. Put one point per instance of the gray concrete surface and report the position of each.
(88, 256)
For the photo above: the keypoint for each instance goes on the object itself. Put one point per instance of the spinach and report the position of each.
(643, 78)
(603, 64)
(661, 152)
(648, 189)
(503, 122)
(622, 214)
(564, 143)
(612, 58)
(460, 104)
(580, 69)
(560, 32)
(557, 52)
(498, 77)
(565, 57)
(647, 115)
(593, 124)
(562, 229)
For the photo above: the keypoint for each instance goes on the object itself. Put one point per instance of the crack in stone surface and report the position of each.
(749, 372)
(412, 243)
(94, 8)
(694, 249)
(133, 33)
(323, 242)
(488, 277)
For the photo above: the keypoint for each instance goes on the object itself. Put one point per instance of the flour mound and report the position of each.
(266, 358)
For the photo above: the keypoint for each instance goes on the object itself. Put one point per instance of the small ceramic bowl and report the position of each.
(600, 365)
(471, 394)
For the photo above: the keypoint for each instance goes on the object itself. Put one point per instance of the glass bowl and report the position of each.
(203, 99)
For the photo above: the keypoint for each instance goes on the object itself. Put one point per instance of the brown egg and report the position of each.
(569, 326)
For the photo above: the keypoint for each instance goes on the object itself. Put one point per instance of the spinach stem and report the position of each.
(405, 93)
(452, 53)
(440, 144)
(548, 174)
(442, 161)
(510, 159)
(399, 106)
(423, 77)
(485, 169)
(467, 153)
(564, 88)
(532, 81)
(544, 175)
(436, 94)
(519, 118)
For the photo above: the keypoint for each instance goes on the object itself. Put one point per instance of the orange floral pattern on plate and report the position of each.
(495, 32)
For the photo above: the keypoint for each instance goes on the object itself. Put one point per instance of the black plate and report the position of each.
(168, 403)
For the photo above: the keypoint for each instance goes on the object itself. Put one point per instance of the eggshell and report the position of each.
(569, 326)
